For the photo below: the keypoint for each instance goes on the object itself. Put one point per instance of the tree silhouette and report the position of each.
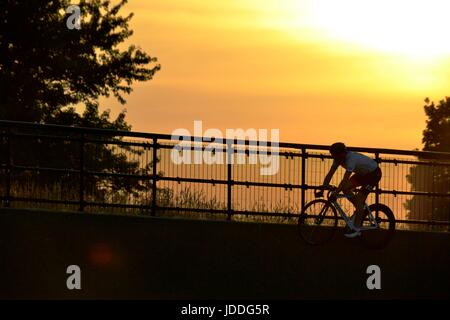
(436, 137)
(48, 72)
(45, 66)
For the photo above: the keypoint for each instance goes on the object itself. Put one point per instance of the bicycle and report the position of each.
(319, 221)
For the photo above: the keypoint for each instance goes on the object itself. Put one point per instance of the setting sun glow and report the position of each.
(409, 27)
(414, 28)
(317, 70)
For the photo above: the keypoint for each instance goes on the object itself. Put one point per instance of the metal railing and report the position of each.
(98, 170)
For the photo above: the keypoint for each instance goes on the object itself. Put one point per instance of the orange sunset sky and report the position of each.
(317, 70)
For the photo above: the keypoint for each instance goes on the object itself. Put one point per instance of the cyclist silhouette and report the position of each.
(361, 171)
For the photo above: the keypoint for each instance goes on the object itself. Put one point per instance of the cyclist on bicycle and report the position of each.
(361, 171)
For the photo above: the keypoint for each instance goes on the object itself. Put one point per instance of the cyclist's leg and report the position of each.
(358, 199)
(361, 198)
(350, 188)
(367, 182)
(351, 195)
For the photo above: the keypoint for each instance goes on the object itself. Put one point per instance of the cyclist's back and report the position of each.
(357, 163)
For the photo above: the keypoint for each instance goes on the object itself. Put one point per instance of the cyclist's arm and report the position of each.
(330, 175)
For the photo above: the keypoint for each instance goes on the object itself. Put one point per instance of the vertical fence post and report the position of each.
(8, 168)
(81, 191)
(303, 178)
(448, 204)
(154, 175)
(377, 188)
(433, 190)
(229, 179)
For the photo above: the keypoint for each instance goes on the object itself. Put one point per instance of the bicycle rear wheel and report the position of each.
(380, 237)
(317, 222)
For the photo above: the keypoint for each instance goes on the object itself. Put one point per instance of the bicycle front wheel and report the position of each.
(317, 222)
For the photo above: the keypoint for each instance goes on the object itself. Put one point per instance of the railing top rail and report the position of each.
(135, 134)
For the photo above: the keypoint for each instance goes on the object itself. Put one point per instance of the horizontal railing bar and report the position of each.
(224, 150)
(120, 143)
(75, 202)
(269, 214)
(420, 163)
(119, 175)
(234, 212)
(384, 160)
(414, 193)
(194, 180)
(42, 136)
(211, 211)
(293, 186)
(116, 205)
(289, 154)
(226, 141)
(285, 215)
(412, 221)
(41, 200)
(44, 169)
(77, 139)
(75, 171)
(213, 182)
(201, 210)
(233, 182)
(423, 222)
(268, 184)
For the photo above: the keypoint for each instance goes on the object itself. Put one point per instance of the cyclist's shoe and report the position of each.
(353, 233)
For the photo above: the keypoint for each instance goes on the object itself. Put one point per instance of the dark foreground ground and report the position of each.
(157, 258)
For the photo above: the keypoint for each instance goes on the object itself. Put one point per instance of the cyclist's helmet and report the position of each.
(337, 149)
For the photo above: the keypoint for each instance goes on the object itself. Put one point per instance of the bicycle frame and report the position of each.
(348, 221)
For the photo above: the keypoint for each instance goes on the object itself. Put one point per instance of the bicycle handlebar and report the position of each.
(320, 189)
